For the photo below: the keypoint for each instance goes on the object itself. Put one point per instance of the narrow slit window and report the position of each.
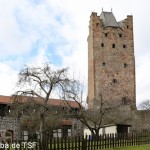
(102, 44)
(125, 65)
(103, 63)
(124, 46)
(120, 35)
(127, 27)
(124, 101)
(113, 45)
(106, 34)
(114, 80)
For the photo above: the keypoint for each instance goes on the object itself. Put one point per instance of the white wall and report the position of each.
(106, 130)
(86, 132)
(111, 129)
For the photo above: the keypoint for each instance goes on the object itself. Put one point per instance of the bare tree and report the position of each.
(94, 118)
(36, 85)
(102, 113)
(145, 105)
(91, 118)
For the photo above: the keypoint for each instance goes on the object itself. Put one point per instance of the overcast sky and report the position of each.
(35, 31)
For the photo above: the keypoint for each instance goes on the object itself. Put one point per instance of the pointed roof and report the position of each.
(109, 19)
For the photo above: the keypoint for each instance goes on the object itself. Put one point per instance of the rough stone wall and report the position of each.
(9, 124)
(111, 71)
(142, 122)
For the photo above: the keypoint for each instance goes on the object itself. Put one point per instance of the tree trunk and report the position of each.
(96, 134)
(41, 126)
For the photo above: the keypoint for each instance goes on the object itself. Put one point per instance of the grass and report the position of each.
(138, 147)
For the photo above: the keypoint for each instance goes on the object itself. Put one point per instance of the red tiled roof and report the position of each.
(66, 122)
(59, 102)
(53, 102)
(5, 99)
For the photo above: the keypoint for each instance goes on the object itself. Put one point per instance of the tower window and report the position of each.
(124, 101)
(124, 46)
(127, 27)
(97, 24)
(114, 80)
(106, 34)
(102, 44)
(120, 35)
(103, 63)
(113, 45)
(125, 65)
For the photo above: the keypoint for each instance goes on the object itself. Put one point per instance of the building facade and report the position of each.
(12, 128)
(111, 62)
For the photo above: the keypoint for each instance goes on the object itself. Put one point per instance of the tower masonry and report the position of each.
(111, 62)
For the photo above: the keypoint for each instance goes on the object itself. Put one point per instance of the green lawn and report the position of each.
(140, 147)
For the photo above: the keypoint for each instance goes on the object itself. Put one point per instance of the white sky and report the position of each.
(34, 31)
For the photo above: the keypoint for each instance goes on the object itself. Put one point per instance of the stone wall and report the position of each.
(11, 125)
(142, 120)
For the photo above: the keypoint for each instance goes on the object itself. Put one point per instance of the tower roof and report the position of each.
(109, 19)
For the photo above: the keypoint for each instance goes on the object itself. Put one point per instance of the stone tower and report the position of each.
(111, 62)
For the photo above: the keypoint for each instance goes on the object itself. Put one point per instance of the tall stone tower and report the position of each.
(111, 62)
